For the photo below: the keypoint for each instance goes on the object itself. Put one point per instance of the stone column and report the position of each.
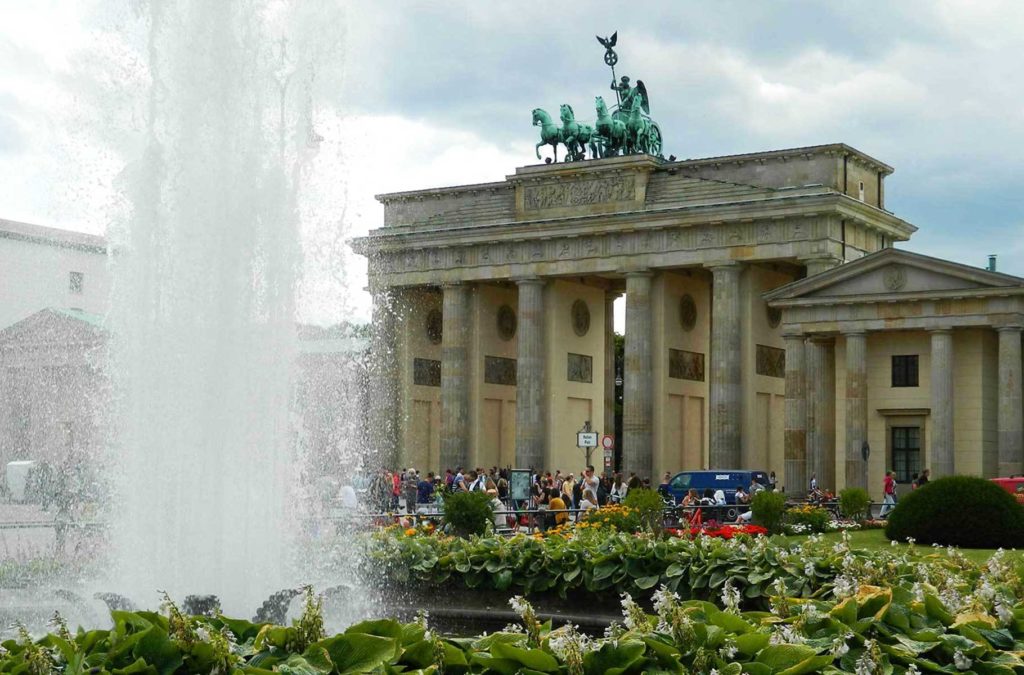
(1011, 413)
(725, 384)
(794, 477)
(638, 390)
(455, 377)
(941, 441)
(821, 412)
(819, 265)
(384, 404)
(609, 362)
(856, 409)
(531, 411)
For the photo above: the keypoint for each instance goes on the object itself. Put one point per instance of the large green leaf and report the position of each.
(358, 652)
(782, 657)
(612, 658)
(534, 659)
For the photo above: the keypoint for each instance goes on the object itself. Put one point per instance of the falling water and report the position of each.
(205, 273)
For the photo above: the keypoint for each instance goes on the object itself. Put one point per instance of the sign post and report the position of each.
(608, 443)
(586, 440)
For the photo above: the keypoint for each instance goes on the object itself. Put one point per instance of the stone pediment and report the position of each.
(893, 272)
(50, 326)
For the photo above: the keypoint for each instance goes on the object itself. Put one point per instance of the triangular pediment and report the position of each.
(894, 272)
(54, 326)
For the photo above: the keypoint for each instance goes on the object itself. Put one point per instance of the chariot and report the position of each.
(625, 128)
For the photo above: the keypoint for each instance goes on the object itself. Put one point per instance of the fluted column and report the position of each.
(455, 377)
(1011, 413)
(821, 412)
(609, 362)
(794, 478)
(638, 390)
(725, 384)
(531, 413)
(856, 409)
(383, 427)
(941, 441)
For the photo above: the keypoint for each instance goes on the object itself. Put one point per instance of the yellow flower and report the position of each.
(410, 532)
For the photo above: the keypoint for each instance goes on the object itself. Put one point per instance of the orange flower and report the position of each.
(410, 532)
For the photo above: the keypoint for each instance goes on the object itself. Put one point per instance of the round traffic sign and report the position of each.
(607, 442)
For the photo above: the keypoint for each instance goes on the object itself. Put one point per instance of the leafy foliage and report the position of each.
(649, 507)
(596, 560)
(921, 627)
(854, 503)
(815, 518)
(959, 511)
(768, 508)
(467, 513)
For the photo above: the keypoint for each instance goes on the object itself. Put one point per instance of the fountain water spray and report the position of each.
(203, 314)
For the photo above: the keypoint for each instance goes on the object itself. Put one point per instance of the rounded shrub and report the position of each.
(959, 511)
(467, 513)
(854, 503)
(768, 508)
(648, 505)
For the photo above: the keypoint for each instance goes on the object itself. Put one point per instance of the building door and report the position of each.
(906, 452)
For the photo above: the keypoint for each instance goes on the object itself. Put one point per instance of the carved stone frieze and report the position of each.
(499, 370)
(771, 361)
(580, 368)
(684, 365)
(579, 193)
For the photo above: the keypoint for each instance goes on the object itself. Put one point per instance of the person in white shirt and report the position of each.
(589, 500)
(719, 497)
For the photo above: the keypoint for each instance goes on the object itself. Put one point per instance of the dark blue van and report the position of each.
(725, 480)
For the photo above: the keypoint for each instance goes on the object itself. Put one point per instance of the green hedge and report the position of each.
(958, 511)
(599, 561)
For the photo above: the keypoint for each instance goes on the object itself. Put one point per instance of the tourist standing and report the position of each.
(425, 489)
(888, 494)
(410, 486)
(590, 480)
(619, 489)
(814, 483)
(922, 480)
(566, 490)
(773, 482)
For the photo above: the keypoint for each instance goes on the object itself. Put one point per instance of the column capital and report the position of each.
(857, 332)
(821, 339)
(794, 336)
(643, 272)
(452, 284)
(1009, 329)
(530, 281)
(723, 264)
(612, 295)
(940, 331)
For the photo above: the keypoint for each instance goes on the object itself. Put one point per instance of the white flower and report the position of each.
(203, 634)
(839, 647)
(730, 597)
(866, 663)
(785, 634)
(728, 650)
(844, 586)
(961, 661)
(1004, 613)
(518, 604)
(809, 569)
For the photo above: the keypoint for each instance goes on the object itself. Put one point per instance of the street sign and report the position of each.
(607, 442)
(519, 484)
(586, 439)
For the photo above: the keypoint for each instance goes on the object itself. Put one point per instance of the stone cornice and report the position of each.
(782, 206)
(875, 298)
(838, 149)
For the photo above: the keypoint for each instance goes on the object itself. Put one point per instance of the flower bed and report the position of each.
(721, 532)
(871, 629)
(598, 560)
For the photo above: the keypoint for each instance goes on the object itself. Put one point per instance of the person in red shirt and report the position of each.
(888, 494)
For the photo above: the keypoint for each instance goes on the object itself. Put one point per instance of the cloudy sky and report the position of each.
(436, 93)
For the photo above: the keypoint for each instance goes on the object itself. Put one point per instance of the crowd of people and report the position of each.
(409, 490)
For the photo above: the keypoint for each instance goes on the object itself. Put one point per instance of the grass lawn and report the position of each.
(875, 539)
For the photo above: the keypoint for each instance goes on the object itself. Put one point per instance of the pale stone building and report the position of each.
(749, 344)
(43, 267)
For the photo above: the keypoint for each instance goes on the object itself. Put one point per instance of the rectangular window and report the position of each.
(906, 452)
(76, 281)
(904, 370)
